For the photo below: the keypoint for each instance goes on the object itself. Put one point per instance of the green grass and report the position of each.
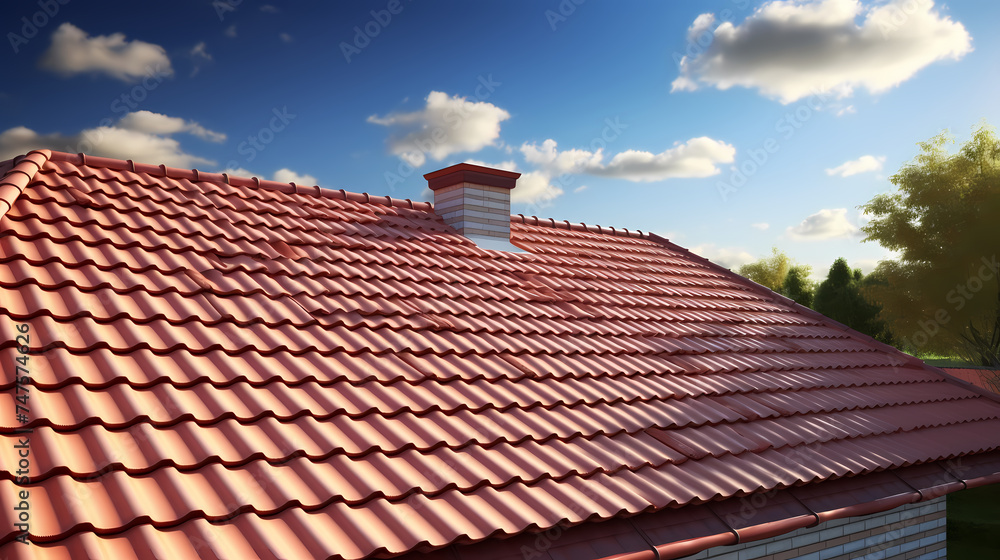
(941, 361)
(974, 523)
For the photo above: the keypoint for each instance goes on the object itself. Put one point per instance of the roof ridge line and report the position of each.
(288, 188)
(13, 183)
(162, 170)
(570, 226)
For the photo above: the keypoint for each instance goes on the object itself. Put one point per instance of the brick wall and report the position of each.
(914, 531)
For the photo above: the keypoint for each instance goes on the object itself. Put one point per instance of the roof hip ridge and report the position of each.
(13, 183)
(195, 175)
(812, 313)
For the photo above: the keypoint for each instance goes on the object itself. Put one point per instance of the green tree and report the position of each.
(781, 274)
(769, 272)
(841, 297)
(797, 285)
(940, 293)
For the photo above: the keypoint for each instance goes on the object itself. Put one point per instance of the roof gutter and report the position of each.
(680, 549)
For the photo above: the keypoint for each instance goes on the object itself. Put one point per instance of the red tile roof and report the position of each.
(984, 378)
(233, 368)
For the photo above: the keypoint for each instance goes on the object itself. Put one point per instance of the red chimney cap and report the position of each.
(469, 173)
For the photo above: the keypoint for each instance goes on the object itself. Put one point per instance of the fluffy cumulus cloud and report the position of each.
(535, 187)
(283, 175)
(547, 156)
(140, 136)
(156, 123)
(863, 164)
(723, 256)
(106, 141)
(789, 49)
(826, 224)
(445, 126)
(698, 157)
(73, 52)
(286, 175)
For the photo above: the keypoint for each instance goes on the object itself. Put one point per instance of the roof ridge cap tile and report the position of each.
(249, 182)
(569, 226)
(13, 183)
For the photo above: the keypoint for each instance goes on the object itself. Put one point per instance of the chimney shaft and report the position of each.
(475, 200)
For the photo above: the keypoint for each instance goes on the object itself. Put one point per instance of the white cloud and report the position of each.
(239, 172)
(825, 224)
(283, 175)
(446, 125)
(762, 226)
(107, 141)
(723, 256)
(156, 123)
(866, 265)
(849, 110)
(199, 55)
(580, 189)
(698, 157)
(695, 158)
(535, 187)
(548, 157)
(72, 52)
(863, 164)
(789, 49)
(701, 25)
(198, 51)
(286, 175)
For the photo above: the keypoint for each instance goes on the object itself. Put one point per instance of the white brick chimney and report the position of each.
(475, 200)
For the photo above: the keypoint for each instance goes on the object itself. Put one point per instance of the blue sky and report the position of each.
(728, 126)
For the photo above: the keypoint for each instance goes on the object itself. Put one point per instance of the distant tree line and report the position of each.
(841, 296)
(940, 295)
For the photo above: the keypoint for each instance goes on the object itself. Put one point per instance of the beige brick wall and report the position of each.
(475, 209)
(910, 532)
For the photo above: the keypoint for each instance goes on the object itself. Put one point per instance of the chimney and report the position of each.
(475, 200)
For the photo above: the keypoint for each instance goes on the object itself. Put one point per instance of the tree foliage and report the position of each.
(781, 274)
(769, 272)
(841, 297)
(797, 285)
(981, 342)
(944, 222)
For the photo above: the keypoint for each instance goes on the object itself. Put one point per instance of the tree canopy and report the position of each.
(841, 297)
(797, 285)
(943, 221)
(781, 274)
